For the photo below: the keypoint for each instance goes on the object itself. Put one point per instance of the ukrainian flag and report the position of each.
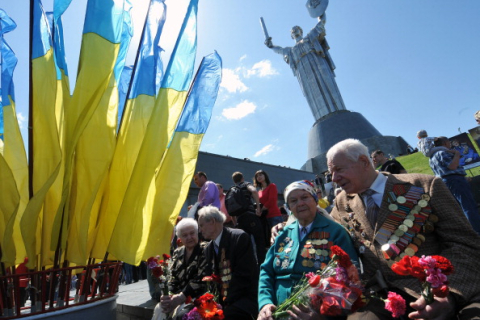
(101, 43)
(128, 240)
(93, 156)
(14, 167)
(143, 91)
(175, 175)
(50, 95)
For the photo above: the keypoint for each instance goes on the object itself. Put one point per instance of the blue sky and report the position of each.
(405, 65)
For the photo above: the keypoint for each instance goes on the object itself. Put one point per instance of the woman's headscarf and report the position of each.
(300, 185)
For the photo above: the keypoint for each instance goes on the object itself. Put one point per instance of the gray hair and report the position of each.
(422, 134)
(351, 148)
(185, 223)
(210, 213)
(477, 115)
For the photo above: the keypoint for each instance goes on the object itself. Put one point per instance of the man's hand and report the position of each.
(275, 231)
(189, 207)
(266, 312)
(302, 312)
(440, 309)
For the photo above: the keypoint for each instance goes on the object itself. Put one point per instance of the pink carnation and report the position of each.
(427, 262)
(395, 304)
(436, 278)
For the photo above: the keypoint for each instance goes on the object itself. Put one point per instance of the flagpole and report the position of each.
(135, 65)
(30, 106)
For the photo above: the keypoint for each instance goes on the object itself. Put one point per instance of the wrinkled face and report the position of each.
(349, 175)
(260, 177)
(302, 204)
(207, 228)
(378, 159)
(199, 180)
(189, 236)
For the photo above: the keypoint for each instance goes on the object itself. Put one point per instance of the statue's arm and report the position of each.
(276, 49)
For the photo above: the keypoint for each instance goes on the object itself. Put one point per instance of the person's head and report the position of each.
(296, 33)
(220, 188)
(200, 178)
(210, 221)
(422, 134)
(378, 158)
(237, 177)
(301, 199)
(477, 116)
(442, 142)
(350, 165)
(187, 231)
(260, 178)
(319, 193)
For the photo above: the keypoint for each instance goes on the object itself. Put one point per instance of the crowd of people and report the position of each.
(376, 216)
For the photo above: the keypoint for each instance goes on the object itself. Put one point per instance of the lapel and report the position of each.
(355, 204)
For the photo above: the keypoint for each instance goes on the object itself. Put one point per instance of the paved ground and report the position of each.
(134, 301)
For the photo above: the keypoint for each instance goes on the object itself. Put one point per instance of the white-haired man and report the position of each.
(230, 255)
(390, 216)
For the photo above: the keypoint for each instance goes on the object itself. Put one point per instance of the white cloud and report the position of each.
(21, 120)
(242, 57)
(261, 69)
(267, 149)
(240, 111)
(231, 81)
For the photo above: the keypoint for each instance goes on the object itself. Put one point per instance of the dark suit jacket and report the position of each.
(453, 236)
(237, 265)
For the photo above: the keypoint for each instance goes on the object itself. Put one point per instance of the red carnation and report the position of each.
(441, 292)
(216, 278)
(166, 256)
(315, 301)
(395, 304)
(342, 257)
(409, 266)
(444, 264)
(314, 281)
(331, 306)
(157, 271)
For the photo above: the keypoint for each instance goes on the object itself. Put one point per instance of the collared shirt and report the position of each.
(378, 186)
(217, 239)
(209, 195)
(300, 230)
(440, 160)
(425, 145)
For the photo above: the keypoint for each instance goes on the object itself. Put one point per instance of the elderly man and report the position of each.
(425, 143)
(230, 255)
(410, 214)
(385, 164)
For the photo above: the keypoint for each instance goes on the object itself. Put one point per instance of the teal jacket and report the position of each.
(284, 264)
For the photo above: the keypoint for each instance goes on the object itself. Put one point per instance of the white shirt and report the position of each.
(379, 187)
(217, 239)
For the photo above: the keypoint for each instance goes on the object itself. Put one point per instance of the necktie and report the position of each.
(303, 232)
(215, 246)
(371, 208)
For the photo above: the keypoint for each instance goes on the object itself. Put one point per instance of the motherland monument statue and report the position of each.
(313, 66)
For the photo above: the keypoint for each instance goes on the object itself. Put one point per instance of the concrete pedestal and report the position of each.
(342, 125)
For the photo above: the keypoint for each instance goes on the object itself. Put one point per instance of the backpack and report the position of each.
(238, 200)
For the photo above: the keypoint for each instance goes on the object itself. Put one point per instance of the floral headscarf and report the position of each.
(300, 185)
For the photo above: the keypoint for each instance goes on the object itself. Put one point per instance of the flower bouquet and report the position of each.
(205, 305)
(431, 271)
(161, 270)
(333, 291)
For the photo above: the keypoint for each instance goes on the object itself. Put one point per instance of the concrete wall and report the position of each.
(220, 169)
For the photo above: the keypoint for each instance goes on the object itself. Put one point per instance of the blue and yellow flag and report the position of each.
(129, 239)
(50, 94)
(94, 153)
(14, 159)
(175, 175)
(144, 88)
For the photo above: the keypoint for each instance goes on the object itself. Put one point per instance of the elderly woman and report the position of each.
(286, 261)
(187, 270)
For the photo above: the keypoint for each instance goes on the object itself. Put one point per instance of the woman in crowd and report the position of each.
(187, 271)
(288, 259)
(268, 195)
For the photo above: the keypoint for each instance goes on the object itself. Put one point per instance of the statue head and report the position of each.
(296, 32)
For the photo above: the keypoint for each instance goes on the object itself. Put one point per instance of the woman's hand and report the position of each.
(266, 312)
(440, 309)
(302, 312)
(169, 303)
